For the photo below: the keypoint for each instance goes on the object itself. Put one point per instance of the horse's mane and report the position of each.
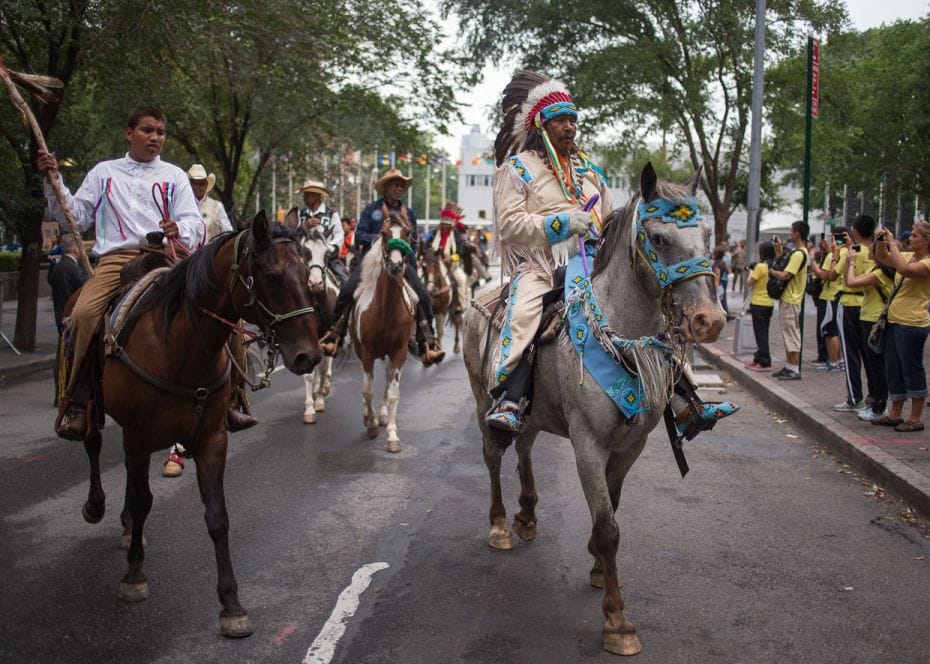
(193, 282)
(371, 266)
(612, 235)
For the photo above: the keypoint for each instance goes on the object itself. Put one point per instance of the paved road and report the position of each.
(769, 551)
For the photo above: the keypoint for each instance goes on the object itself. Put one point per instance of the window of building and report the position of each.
(482, 214)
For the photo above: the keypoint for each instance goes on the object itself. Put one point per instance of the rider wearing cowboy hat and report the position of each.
(117, 197)
(316, 213)
(391, 186)
(214, 214)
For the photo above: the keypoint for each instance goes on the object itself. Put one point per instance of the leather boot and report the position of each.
(72, 423)
(331, 343)
(434, 352)
(236, 420)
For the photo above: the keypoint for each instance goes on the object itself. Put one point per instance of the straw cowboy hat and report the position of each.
(198, 172)
(315, 186)
(392, 174)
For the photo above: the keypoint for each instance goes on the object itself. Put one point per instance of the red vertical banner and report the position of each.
(815, 78)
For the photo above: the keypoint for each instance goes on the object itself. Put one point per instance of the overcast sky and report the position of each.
(863, 14)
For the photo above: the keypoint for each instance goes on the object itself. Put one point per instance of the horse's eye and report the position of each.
(659, 241)
(273, 278)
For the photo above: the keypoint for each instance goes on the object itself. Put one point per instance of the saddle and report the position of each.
(493, 306)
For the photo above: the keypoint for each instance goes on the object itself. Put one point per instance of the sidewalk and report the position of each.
(13, 366)
(898, 462)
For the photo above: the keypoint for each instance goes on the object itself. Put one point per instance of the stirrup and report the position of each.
(506, 416)
(707, 416)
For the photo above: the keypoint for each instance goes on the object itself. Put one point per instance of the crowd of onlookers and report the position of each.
(864, 283)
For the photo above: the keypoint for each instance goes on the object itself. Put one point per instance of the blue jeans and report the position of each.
(904, 361)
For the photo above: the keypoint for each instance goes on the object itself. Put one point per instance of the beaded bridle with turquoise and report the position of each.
(684, 214)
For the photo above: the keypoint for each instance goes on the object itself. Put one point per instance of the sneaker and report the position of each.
(788, 374)
(868, 415)
(817, 363)
(837, 368)
(173, 466)
(780, 372)
(847, 407)
(828, 366)
(755, 366)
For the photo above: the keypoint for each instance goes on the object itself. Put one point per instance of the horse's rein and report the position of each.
(162, 197)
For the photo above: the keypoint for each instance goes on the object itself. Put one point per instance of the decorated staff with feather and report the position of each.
(118, 197)
(547, 194)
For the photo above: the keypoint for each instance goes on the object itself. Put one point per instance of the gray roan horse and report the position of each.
(606, 443)
(323, 291)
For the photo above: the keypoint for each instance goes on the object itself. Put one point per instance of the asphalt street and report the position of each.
(769, 551)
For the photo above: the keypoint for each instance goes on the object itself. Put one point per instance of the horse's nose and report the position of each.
(316, 286)
(305, 362)
(707, 324)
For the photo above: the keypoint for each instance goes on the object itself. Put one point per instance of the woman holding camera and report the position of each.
(908, 327)
(761, 307)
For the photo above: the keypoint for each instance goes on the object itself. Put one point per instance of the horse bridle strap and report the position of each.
(684, 214)
(248, 284)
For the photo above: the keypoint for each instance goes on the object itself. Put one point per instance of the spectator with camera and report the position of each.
(818, 250)
(877, 282)
(761, 306)
(829, 294)
(789, 305)
(907, 328)
(850, 304)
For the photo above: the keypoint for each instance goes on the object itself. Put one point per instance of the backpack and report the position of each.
(776, 287)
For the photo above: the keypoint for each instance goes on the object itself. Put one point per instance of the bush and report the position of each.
(9, 261)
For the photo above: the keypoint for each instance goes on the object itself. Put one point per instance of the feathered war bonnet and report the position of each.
(529, 101)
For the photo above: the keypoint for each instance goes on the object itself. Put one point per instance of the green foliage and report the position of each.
(874, 111)
(9, 261)
(651, 67)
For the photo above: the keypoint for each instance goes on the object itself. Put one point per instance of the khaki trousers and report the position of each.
(91, 304)
(524, 311)
(461, 283)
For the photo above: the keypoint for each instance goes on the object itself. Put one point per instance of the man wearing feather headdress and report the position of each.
(542, 190)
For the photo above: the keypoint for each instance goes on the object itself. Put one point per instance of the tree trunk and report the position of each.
(24, 336)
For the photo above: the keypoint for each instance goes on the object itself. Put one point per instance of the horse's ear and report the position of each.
(647, 182)
(694, 181)
(292, 219)
(260, 229)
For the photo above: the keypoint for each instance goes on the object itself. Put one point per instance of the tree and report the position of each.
(651, 66)
(874, 119)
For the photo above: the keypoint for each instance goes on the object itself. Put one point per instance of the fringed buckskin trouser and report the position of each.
(90, 306)
(461, 283)
(521, 320)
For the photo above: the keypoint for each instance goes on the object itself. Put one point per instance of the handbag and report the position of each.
(876, 338)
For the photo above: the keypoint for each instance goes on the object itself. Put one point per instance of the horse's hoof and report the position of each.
(456, 349)
(526, 532)
(372, 432)
(92, 515)
(235, 627)
(393, 446)
(309, 418)
(383, 420)
(133, 592)
(126, 539)
(320, 406)
(622, 644)
(500, 539)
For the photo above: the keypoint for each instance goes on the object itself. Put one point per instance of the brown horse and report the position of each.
(382, 322)
(438, 283)
(168, 380)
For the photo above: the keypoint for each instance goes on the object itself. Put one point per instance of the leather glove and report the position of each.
(579, 222)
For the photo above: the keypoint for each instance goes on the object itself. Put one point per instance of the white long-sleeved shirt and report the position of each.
(330, 224)
(125, 214)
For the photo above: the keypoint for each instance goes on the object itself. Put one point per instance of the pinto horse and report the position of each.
(438, 283)
(382, 322)
(324, 290)
(167, 382)
(636, 303)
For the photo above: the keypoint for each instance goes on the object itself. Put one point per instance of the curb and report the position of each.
(866, 457)
(25, 369)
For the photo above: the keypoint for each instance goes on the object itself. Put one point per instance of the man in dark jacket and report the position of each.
(391, 186)
(64, 276)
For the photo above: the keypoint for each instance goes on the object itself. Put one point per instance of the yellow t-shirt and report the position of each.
(828, 294)
(851, 297)
(909, 306)
(872, 301)
(794, 289)
(760, 279)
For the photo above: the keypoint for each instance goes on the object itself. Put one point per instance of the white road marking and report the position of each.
(323, 648)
